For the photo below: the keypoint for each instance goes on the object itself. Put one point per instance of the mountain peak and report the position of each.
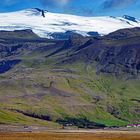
(130, 18)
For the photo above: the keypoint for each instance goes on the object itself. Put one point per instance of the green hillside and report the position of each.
(51, 85)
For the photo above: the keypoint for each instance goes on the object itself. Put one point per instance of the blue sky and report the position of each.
(78, 7)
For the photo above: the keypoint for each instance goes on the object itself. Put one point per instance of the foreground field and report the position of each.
(96, 135)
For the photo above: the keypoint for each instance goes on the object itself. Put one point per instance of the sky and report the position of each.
(77, 7)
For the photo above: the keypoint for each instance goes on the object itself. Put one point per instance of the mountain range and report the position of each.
(62, 69)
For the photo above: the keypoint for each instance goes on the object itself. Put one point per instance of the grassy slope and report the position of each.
(8, 117)
(76, 93)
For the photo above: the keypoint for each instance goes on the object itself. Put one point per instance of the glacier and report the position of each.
(50, 23)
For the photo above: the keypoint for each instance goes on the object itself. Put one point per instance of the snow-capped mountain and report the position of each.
(46, 24)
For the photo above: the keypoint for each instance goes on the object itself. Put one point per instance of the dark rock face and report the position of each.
(65, 36)
(37, 12)
(117, 53)
(130, 18)
(124, 59)
(41, 11)
(93, 34)
(15, 44)
(71, 34)
(6, 65)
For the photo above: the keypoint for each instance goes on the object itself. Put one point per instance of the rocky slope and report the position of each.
(116, 53)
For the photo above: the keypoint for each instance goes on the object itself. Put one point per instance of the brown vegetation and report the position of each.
(71, 136)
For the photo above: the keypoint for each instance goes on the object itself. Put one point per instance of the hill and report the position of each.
(89, 82)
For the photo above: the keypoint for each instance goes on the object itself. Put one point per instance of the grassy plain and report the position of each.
(95, 135)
